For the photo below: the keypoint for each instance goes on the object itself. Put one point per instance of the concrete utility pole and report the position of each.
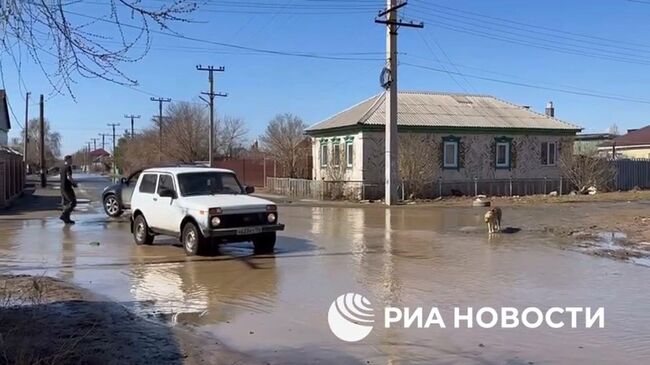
(132, 117)
(389, 82)
(114, 164)
(42, 142)
(160, 123)
(103, 135)
(26, 137)
(211, 94)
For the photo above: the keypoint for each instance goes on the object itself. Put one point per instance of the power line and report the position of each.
(438, 7)
(230, 45)
(531, 86)
(516, 34)
(521, 78)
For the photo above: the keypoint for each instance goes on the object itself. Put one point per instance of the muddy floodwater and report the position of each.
(275, 306)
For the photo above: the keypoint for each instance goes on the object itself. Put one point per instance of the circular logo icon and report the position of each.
(350, 317)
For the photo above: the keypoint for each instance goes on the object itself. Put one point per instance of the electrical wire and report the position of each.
(531, 86)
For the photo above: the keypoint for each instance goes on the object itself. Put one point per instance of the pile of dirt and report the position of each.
(47, 321)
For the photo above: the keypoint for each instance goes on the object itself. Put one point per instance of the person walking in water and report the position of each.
(67, 192)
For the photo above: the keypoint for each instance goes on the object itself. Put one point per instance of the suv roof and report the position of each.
(180, 170)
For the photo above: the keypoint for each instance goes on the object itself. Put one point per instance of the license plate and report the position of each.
(249, 230)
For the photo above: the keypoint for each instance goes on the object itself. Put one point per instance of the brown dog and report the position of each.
(493, 220)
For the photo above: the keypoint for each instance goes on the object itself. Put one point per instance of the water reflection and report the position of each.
(205, 292)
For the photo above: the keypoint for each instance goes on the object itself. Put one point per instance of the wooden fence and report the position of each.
(630, 174)
(356, 190)
(12, 176)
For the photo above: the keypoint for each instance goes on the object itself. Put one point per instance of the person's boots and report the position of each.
(66, 219)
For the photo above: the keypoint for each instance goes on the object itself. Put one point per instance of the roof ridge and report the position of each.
(424, 92)
(536, 112)
(373, 108)
(347, 109)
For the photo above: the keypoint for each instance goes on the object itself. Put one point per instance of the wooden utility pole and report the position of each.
(160, 123)
(113, 153)
(132, 117)
(103, 135)
(389, 82)
(94, 143)
(26, 137)
(211, 94)
(42, 142)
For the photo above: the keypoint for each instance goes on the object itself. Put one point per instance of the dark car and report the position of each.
(117, 197)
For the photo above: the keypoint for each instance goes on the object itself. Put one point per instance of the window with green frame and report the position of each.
(323, 153)
(450, 152)
(503, 152)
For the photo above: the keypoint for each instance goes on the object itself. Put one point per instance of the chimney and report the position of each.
(550, 110)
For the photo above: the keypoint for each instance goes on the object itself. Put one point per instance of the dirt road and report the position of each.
(274, 307)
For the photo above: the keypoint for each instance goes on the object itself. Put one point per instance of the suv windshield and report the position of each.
(208, 183)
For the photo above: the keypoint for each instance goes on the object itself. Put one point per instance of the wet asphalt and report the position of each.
(275, 306)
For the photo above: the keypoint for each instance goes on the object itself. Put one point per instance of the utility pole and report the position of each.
(42, 142)
(389, 82)
(26, 137)
(132, 117)
(88, 157)
(103, 135)
(113, 153)
(160, 123)
(211, 94)
(94, 143)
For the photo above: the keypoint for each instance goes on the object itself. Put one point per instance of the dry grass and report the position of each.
(19, 295)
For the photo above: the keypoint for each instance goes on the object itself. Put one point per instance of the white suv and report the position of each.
(200, 205)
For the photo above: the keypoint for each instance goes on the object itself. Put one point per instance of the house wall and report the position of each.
(330, 172)
(476, 155)
(4, 140)
(628, 152)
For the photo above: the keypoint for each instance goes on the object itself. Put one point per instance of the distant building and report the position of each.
(588, 143)
(5, 123)
(634, 144)
(12, 168)
(467, 137)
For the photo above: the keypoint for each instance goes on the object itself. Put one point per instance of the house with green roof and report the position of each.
(453, 137)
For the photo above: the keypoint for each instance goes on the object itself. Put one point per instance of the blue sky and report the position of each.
(597, 46)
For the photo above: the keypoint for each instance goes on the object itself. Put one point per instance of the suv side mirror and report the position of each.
(167, 193)
(249, 189)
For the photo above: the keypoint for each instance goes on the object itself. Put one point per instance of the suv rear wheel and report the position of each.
(141, 232)
(112, 207)
(192, 239)
(264, 243)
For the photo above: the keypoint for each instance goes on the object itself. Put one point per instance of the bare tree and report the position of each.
(64, 32)
(52, 144)
(417, 162)
(585, 171)
(613, 129)
(283, 140)
(185, 131)
(231, 135)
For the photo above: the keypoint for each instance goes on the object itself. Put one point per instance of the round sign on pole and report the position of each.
(385, 78)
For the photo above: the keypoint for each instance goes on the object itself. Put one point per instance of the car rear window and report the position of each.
(148, 183)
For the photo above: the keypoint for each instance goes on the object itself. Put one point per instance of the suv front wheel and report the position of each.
(141, 232)
(264, 243)
(192, 239)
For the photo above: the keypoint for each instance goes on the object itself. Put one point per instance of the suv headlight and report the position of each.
(215, 221)
(271, 217)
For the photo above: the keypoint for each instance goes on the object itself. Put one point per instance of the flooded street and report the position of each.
(275, 306)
